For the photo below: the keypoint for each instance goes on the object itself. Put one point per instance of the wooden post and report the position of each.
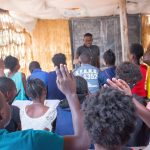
(124, 29)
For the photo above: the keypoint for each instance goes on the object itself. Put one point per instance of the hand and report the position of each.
(120, 85)
(65, 80)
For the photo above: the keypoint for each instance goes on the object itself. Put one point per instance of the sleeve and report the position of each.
(77, 52)
(47, 141)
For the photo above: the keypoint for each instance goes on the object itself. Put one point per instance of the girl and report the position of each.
(37, 116)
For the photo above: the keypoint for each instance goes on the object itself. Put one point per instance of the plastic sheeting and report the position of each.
(27, 11)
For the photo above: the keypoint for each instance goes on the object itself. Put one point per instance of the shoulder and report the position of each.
(48, 139)
(95, 46)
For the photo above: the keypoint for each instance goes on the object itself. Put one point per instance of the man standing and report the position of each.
(92, 49)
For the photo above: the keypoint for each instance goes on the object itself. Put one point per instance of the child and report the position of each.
(109, 60)
(12, 63)
(88, 72)
(109, 118)
(136, 53)
(37, 116)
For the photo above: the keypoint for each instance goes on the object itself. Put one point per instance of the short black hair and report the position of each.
(88, 34)
(109, 117)
(11, 62)
(137, 50)
(35, 88)
(109, 57)
(85, 57)
(59, 59)
(129, 72)
(6, 85)
(34, 65)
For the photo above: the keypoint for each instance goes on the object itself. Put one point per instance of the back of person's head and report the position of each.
(109, 57)
(7, 86)
(85, 58)
(11, 62)
(81, 90)
(137, 50)
(88, 35)
(59, 59)
(129, 72)
(34, 65)
(109, 118)
(35, 88)
(81, 87)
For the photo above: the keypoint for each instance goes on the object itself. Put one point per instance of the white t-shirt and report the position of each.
(39, 123)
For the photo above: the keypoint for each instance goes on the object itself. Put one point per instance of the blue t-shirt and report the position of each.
(30, 140)
(53, 91)
(108, 73)
(39, 74)
(90, 74)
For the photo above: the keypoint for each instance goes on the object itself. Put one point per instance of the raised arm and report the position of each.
(141, 110)
(66, 83)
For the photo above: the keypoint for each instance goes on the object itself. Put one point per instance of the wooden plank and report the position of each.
(124, 29)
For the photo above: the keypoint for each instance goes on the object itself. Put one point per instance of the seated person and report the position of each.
(109, 61)
(64, 124)
(12, 63)
(37, 116)
(35, 139)
(88, 72)
(131, 73)
(53, 91)
(36, 72)
(8, 88)
(109, 118)
(136, 53)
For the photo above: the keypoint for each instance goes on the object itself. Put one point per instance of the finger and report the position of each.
(58, 73)
(111, 83)
(71, 74)
(115, 84)
(123, 82)
(67, 71)
(63, 72)
(105, 85)
(118, 83)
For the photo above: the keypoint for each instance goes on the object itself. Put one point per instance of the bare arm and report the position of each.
(141, 110)
(66, 83)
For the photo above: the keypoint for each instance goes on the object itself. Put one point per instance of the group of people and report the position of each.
(100, 109)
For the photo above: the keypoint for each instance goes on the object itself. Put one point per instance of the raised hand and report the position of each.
(65, 80)
(120, 85)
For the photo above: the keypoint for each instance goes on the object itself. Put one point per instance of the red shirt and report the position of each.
(140, 88)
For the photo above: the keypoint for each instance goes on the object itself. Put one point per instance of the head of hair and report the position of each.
(11, 62)
(129, 72)
(109, 118)
(59, 59)
(6, 85)
(85, 58)
(137, 50)
(109, 57)
(35, 88)
(88, 35)
(81, 90)
(34, 65)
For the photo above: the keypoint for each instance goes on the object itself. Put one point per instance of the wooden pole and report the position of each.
(124, 29)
